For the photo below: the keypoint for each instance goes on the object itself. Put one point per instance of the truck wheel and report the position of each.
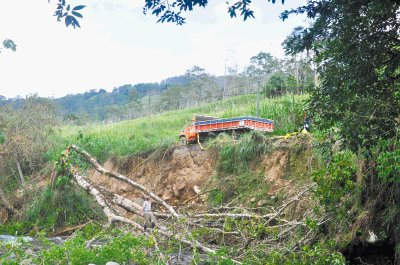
(183, 140)
(212, 134)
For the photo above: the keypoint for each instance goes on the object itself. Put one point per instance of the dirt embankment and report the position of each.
(174, 176)
(182, 172)
(185, 171)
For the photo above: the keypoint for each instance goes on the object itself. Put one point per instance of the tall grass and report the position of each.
(159, 131)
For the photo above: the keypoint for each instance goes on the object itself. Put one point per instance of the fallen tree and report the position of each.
(238, 227)
(120, 177)
(112, 217)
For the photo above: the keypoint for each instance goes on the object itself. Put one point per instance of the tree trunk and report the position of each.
(82, 182)
(21, 176)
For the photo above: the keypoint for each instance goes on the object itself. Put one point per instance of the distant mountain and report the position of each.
(100, 105)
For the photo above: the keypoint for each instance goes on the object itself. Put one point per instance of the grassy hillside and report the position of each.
(148, 133)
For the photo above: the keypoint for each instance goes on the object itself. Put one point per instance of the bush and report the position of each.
(123, 248)
(119, 247)
(55, 208)
(318, 254)
(389, 162)
(337, 187)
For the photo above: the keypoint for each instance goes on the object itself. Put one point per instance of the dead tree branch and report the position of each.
(120, 177)
(83, 183)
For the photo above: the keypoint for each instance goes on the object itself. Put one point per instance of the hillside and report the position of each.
(264, 198)
(158, 131)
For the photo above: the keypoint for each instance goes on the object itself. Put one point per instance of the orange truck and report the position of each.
(204, 126)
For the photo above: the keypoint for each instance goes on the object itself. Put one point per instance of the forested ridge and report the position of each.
(265, 75)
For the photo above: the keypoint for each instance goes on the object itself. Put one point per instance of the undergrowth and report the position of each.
(361, 192)
(114, 245)
(52, 209)
(236, 157)
(234, 174)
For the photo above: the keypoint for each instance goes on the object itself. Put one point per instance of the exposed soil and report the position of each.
(174, 177)
(275, 168)
(185, 171)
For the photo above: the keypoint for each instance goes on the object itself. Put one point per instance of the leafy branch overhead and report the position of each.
(172, 11)
(166, 11)
(70, 15)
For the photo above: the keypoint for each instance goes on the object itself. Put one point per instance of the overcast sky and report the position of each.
(118, 45)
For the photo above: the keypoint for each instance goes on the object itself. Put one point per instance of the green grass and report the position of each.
(160, 131)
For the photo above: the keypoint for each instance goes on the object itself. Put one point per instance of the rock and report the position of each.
(196, 189)
(29, 252)
(112, 263)
(372, 238)
(9, 239)
(180, 186)
(26, 261)
(253, 199)
(261, 203)
(177, 193)
(140, 172)
(168, 194)
(57, 240)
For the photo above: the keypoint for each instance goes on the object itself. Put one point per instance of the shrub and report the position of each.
(55, 208)
(337, 187)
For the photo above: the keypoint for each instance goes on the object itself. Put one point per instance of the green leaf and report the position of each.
(78, 8)
(76, 14)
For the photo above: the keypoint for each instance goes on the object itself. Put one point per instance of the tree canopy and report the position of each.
(357, 49)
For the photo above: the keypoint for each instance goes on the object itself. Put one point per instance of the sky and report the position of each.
(117, 44)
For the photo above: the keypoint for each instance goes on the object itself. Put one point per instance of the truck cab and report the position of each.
(188, 134)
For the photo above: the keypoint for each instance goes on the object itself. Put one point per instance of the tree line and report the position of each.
(265, 74)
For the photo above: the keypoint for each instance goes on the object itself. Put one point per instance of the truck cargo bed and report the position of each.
(248, 122)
